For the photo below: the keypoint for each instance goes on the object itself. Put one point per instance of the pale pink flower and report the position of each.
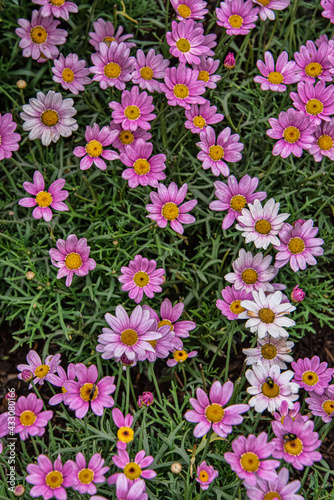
(112, 65)
(105, 32)
(96, 151)
(276, 78)
(270, 351)
(57, 8)
(71, 73)
(134, 111)
(267, 8)
(147, 69)
(8, 138)
(144, 169)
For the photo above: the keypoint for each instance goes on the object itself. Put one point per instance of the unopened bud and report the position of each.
(146, 399)
(19, 490)
(300, 221)
(27, 375)
(176, 468)
(21, 84)
(297, 294)
(229, 62)
(30, 275)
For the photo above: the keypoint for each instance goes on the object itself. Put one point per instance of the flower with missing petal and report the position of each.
(41, 371)
(276, 78)
(205, 475)
(284, 410)
(207, 67)
(189, 9)
(267, 7)
(96, 149)
(133, 470)
(180, 356)
(125, 433)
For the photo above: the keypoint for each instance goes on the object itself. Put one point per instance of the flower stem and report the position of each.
(156, 385)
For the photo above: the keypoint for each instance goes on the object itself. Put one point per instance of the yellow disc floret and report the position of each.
(112, 70)
(266, 315)
(94, 148)
(170, 211)
(180, 356)
(291, 134)
(275, 77)
(50, 117)
(67, 75)
(28, 418)
(325, 142)
(296, 245)
(132, 112)
(132, 470)
(181, 91)
(87, 393)
(141, 279)
(314, 107)
(216, 153)
(129, 337)
(236, 308)
(249, 276)
(310, 378)
(269, 351)
(184, 10)
(272, 495)
(203, 76)
(238, 202)
(271, 390)
(313, 69)
(146, 73)
(43, 199)
(141, 166)
(73, 261)
(125, 434)
(249, 462)
(293, 447)
(328, 406)
(38, 34)
(199, 122)
(214, 413)
(126, 137)
(54, 479)
(235, 21)
(263, 226)
(41, 371)
(183, 45)
(86, 476)
(203, 476)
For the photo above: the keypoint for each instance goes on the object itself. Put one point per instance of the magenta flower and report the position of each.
(30, 420)
(145, 399)
(8, 138)
(234, 197)
(270, 351)
(249, 458)
(4, 422)
(276, 79)
(284, 410)
(71, 73)
(128, 335)
(298, 246)
(95, 149)
(87, 391)
(312, 375)
(45, 200)
(143, 170)
(189, 9)
(237, 16)
(125, 433)
(57, 8)
(229, 62)
(132, 469)
(186, 41)
(297, 294)
(180, 356)
(86, 476)
(313, 63)
(214, 153)
(164, 345)
(41, 371)
(182, 87)
(294, 131)
(295, 442)
(209, 413)
(141, 277)
(278, 488)
(267, 7)
(230, 306)
(40, 36)
(58, 381)
(147, 69)
(322, 405)
(315, 101)
(199, 117)
(206, 67)
(328, 12)
(72, 257)
(128, 490)
(126, 137)
(134, 111)
(165, 207)
(50, 479)
(112, 65)
(205, 475)
(324, 141)
(105, 32)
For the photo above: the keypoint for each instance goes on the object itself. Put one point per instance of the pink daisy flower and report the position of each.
(128, 335)
(50, 479)
(41, 371)
(58, 381)
(189, 9)
(112, 66)
(95, 149)
(313, 63)
(249, 458)
(71, 73)
(298, 246)
(296, 442)
(186, 41)
(86, 476)
(127, 137)
(267, 8)
(48, 117)
(57, 8)
(215, 152)
(128, 490)
(269, 387)
(270, 351)
(30, 420)
(209, 413)
(8, 138)
(328, 12)
(164, 345)
(206, 67)
(87, 391)
(324, 145)
(261, 225)
(252, 272)
(284, 410)
(135, 110)
(294, 131)
(199, 117)
(278, 488)
(180, 356)
(205, 475)
(132, 469)
(230, 306)
(182, 87)
(237, 16)
(45, 200)
(234, 197)
(276, 79)
(105, 32)
(322, 405)
(315, 101)
(141, 277)
(125, 433)
(147, 69)
(72, 257)
(143, 170)
(165, 207)
(40, 36)
(312, 375)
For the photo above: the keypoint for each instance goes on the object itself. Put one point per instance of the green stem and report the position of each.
(229, 345)
(142, 428)
(127, 394)
(156, 385)
(119, 380)
(205, 451)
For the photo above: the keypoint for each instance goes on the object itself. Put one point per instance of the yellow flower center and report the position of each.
(132, 470)
(328, 406)
(310, 378)
(68, 75)
(63, 390)
(272, 495)
(216, 152)
(129, 337)
(249, 462)
(180, 356)
(325, 142)
(314, 107)
(203, 76)
(112, 70)
(249, 276)
(181, 91)
(73, 261)
(235, 21)
(203, 476)
(214, 413)
(141, 166)
(269, 351)
(293, 447)
(238, 202)
(125, 434)
(38, 34)
(183, 45)
(50, 117)
(170, 211)
(165, 322)
(108, 40)
(126, 137)
(27, 418)
(153, 343)
(141, 279)
(291, 134)
(275, 77)
(43, 199)
(199, 121)
(54, 479)
(296, 245)
(313, 69)
(184, 10)
(87, 393)
(236, 308)
(132, 112)
(270, 390)
(57, 3)
(266, 315)
(263, 2)
(146, 73)
(263, 226)
(41, 371)
(86, 476)
(94, 148)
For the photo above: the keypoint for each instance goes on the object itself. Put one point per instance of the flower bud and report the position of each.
(11, 396)
(146, 399)
(229, 62)
(19, 490)
(297, 294)
(300, 221)
(30, 275)
(27, 375)
(21, 84)
(176, 468)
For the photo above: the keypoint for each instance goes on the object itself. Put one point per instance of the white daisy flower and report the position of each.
(270, 351)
